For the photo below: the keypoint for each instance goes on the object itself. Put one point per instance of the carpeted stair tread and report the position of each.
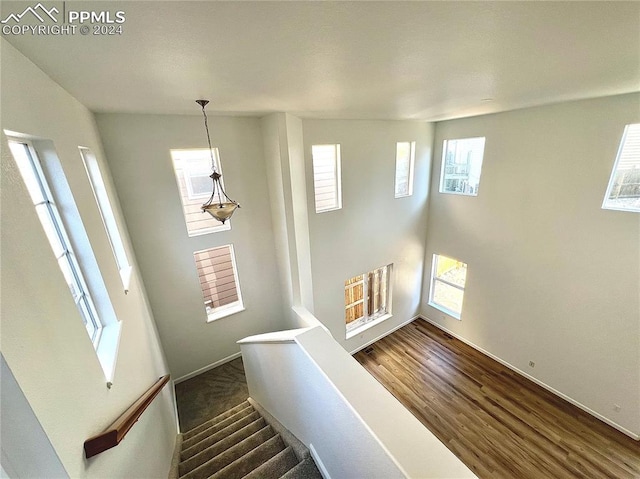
(220, 417)
(221, 446)
(307, 469)
(242, 451)
(190, 448)
(191, 439)
(275, 467)
(258, 456)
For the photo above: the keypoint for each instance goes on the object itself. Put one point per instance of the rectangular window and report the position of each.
(448, 278)
(623, 192)
(192, 169)
(367, 298)
(461, 166)
(108, 217)
(49, 217)
(405, 157)
(219, 281)
(326, 177)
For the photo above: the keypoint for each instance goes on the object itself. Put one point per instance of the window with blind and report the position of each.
(448, 280)
(326, 177)
(106, 212)
(192, 169)
(219, 281)
(405, 157)
(623, 192)
(461, 166)
(367, 298)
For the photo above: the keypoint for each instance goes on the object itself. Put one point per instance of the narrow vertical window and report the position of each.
(367, 297)
(405, 157)
(461, 166)
(326, 177)
(623, 192)
(47, 194)
(56, 233)
(448, 279)
(192, 169)
(108, 217)
(219, 281)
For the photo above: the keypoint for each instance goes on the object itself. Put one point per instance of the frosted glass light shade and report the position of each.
(221, 212)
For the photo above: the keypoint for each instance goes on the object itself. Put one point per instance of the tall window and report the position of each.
(405, 157)
(448, 279)
(326, 177)
(219, 281)
(623, 192)
(192, 169)
(108, 218)
(33, 176)
(367, 298)
(461, 166)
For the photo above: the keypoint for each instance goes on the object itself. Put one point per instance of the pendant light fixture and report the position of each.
(216, 207)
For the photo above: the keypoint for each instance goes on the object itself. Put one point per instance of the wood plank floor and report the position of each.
(500, 424)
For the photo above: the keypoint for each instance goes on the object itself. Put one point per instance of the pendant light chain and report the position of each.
(206, 127)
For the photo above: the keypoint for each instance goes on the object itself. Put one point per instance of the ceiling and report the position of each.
(358, 60)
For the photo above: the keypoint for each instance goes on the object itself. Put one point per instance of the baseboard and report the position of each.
(387, 333)
(537, 381)
(319, 463)
(207, 368)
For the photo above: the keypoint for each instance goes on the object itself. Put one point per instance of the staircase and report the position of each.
(240, 443)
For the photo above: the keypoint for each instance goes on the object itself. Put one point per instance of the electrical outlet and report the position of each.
(616, 407)
(532, 364)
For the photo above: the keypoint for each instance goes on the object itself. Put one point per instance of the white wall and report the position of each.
(284, 158)
(552, 277)
(138, 150)
(304, 377)
(43, 339)
(372, 229)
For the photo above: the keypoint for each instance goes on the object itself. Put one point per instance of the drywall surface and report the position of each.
(327, 400)
(138, 150)
(373, 228)
(43, 339)
(284, 158)
(552, 278)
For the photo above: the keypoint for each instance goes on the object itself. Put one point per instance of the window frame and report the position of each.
(58, 231)
(337, 170)
(612, 177)
(445, 143)
(226, 309)
(412, 156)
(434, 278)
(103, 201)
(369, 320)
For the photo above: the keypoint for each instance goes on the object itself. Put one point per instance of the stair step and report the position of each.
(239, 420)
(252, 460)
(215, 425)
(239, 453)
(220, 417)
(275, 467)
(221, 446)
(219, 436)
(307, 469)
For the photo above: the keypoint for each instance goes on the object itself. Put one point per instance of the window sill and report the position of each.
(367, 325)
(223, 313)
(446, 311)
(107, 350)
(125, 276)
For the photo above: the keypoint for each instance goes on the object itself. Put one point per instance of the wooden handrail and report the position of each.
(112, 436)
